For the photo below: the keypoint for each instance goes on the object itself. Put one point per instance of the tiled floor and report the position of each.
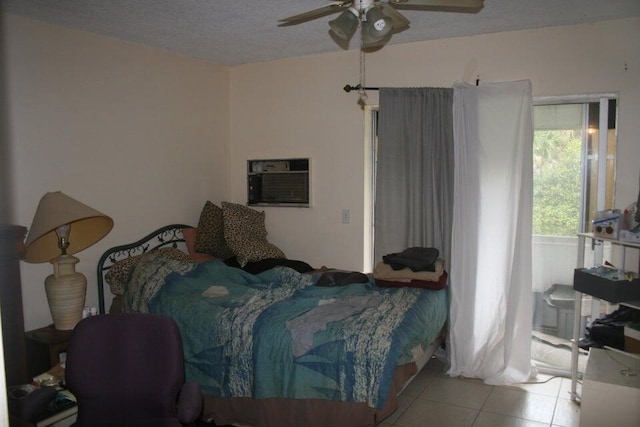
(437, 400)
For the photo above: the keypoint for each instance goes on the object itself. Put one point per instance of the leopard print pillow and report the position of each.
(118, 275)
(210, 234)
(256, 250)
(246, 234)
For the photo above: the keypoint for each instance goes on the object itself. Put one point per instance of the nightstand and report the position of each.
(43, 348)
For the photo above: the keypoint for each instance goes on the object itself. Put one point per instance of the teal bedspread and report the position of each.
(276, 334)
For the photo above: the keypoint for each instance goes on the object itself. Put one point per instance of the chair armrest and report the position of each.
(189, 403)
(27, 407)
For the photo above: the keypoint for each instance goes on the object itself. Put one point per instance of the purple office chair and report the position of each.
(128, 370)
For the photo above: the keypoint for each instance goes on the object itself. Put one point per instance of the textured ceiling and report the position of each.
(235, 32)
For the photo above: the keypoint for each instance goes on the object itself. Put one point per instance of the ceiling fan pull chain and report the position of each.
(361, 86)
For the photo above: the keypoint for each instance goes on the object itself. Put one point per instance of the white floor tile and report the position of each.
(428, 413)
(486, 419)
(565, 388)
(467, 394)
(435, 399)
(404, 402)
(543, 384)
(520, 404)
(567, 413)
(414, 388)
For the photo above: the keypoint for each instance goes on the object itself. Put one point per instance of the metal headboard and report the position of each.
(167, 236)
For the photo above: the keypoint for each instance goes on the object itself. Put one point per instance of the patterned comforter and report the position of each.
(276, 334)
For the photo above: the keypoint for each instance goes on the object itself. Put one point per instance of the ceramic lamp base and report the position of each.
(66, 292)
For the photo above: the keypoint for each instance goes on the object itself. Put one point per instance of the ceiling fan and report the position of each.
(377, 19)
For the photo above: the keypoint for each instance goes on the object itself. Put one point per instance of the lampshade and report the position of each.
(61, 227)
(345, 25)
(88, 226)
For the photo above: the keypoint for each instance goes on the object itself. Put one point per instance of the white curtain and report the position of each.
(490, 269)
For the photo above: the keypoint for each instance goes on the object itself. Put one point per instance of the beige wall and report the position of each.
(297, 107)
(147, 136)
(139, 134)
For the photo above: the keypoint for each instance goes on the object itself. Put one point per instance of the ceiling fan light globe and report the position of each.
(377, 23)
(345, 25)
(370, 36)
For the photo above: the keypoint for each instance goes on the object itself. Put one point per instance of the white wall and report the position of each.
(297, 107)
(147, 136)
(139, 134)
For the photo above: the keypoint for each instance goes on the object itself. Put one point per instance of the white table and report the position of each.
(610, 396)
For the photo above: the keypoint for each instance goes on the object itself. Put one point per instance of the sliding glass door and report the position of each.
(574, 169)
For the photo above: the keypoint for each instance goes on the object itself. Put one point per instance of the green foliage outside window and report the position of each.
(556, 182)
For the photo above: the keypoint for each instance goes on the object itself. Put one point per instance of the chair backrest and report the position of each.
(125, 366)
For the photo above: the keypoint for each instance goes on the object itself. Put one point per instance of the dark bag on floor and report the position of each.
(609, 329)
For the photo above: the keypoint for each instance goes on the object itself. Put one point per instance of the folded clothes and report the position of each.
(424, 284)
(386, 272)
(417, 259)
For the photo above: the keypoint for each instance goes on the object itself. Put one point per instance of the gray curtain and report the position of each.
(414, 173)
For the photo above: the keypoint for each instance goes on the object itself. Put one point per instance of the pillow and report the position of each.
(198, 257)
(254, 250)
(118, 275)
(242, 222)
(210, 233)
(189, 235)
(246, 235)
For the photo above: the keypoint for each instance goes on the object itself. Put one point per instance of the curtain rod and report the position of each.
(349, 88)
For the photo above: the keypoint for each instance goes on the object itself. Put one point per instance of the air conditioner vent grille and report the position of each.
(278, 182)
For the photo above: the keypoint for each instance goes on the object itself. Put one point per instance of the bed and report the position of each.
(274, 348)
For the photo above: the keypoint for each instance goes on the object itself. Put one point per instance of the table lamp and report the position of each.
(61, 227)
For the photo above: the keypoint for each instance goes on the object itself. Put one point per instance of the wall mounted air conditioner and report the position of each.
(278, 182)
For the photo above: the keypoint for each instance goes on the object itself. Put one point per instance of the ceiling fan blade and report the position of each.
(444, 5)
(333, 7)
(400, 23)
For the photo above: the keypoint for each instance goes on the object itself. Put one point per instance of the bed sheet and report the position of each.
(277, 335)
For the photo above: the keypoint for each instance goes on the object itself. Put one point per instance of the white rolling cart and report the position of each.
(582, 238)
